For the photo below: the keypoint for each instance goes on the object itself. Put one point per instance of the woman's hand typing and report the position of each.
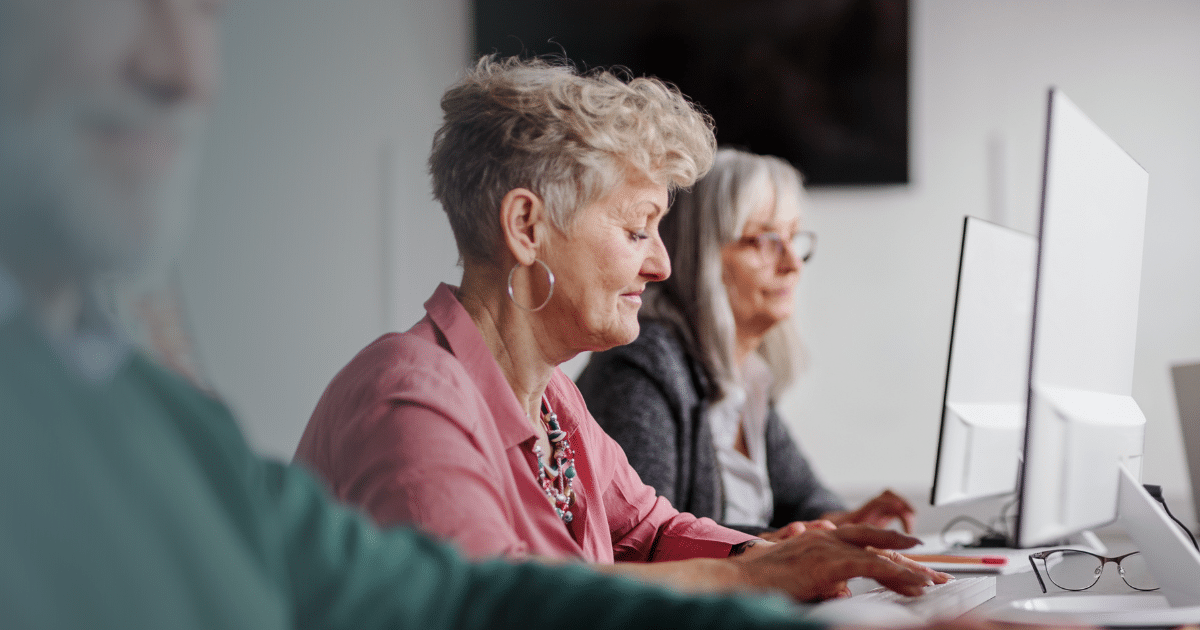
(816, 564)
(880, 512)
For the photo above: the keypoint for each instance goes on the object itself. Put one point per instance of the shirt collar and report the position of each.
(99, 347)
(466, 343)
(95, 351)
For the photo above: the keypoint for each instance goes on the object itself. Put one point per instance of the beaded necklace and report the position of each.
(557, 478)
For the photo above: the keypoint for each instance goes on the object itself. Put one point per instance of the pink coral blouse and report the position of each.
(422, 428)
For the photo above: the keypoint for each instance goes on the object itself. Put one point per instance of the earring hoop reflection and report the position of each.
(549, 279)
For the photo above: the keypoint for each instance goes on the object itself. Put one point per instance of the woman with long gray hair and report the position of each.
(692, 400)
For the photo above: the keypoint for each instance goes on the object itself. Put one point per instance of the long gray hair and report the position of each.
(694, 300)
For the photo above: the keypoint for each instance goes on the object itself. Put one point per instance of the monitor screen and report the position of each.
(983, 409)
(1081, 420)
(823, 85)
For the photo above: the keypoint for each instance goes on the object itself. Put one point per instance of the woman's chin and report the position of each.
(765, 321)
(779, 310)
(614, 337)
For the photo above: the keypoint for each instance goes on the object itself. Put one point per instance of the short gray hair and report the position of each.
(569, 137)
(694, 300)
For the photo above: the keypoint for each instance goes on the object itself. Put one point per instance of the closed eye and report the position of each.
(639, 235)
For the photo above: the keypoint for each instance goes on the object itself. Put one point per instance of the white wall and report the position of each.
(876, 302)
(317, 161)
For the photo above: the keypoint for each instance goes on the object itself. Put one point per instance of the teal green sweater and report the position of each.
(136, 503)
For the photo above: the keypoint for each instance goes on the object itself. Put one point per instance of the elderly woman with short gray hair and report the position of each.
(554, 183)
(692, 401)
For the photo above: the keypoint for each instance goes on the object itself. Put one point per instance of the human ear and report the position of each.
(522, 215)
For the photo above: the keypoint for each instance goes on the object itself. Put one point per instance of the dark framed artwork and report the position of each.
(822, 83)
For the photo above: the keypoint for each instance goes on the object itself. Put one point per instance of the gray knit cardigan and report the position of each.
(650, 396)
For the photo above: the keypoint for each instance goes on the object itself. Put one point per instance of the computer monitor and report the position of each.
(1082, 423)
(983, 408)
(1186, 377)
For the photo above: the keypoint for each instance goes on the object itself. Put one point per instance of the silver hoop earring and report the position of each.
(550, 279)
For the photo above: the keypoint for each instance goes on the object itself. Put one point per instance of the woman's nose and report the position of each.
(176, 61)
(788, 261)
(657, 266)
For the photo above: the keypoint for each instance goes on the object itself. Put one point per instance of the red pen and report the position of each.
(996, 560)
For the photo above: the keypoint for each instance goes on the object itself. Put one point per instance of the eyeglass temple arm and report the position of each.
(1037, 573)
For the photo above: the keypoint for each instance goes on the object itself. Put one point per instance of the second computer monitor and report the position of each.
(1082, 420)
(983, 411)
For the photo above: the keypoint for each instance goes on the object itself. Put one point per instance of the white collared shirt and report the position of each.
(746, 487)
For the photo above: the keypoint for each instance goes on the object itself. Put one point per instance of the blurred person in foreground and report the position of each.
(554, 183)
(692, 400)
(130, 499)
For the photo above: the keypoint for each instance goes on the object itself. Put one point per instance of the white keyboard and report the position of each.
(940, 601)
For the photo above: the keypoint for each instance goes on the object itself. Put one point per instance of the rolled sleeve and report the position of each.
(646, 527)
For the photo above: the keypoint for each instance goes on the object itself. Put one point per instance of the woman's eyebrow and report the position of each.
(773, 226)
(637, 209)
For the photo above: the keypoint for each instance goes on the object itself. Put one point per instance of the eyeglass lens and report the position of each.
(1077, 570)
(770, 245)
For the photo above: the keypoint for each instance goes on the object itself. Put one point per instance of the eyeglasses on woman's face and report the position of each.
(771, 245)
(1074, 570)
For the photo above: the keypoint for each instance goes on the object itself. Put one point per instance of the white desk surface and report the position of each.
(1018, 586)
